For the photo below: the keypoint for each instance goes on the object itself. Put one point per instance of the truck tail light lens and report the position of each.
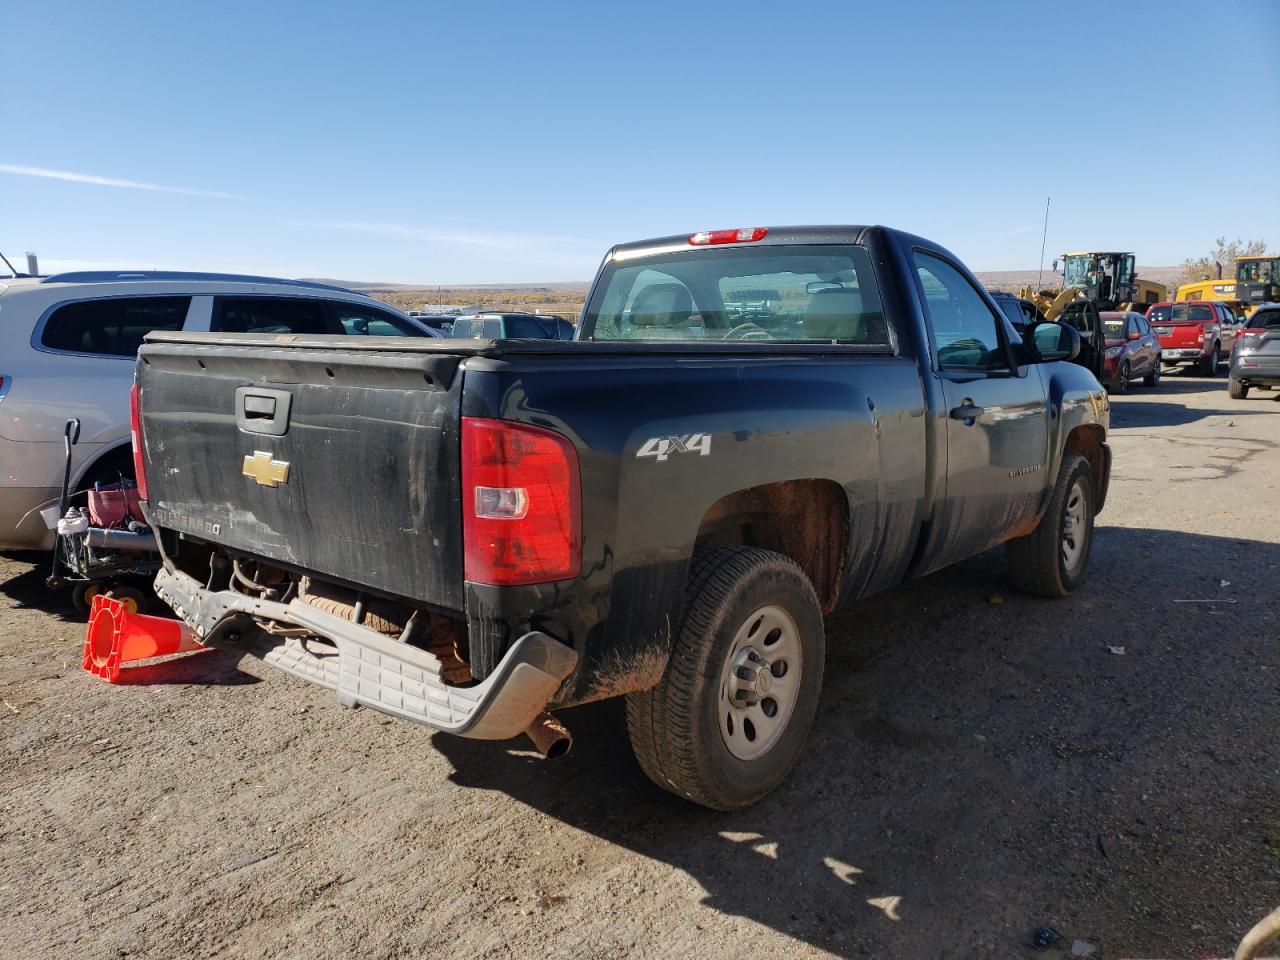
(521, 517)
(712, 237)
(135, 435)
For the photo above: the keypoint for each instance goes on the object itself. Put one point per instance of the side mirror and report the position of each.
(1049, 341)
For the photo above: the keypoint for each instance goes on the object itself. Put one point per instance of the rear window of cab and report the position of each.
(796, 294)
(1195, 312)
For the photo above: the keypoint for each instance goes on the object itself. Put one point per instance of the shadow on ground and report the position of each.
(1153, 413)
(963, 746)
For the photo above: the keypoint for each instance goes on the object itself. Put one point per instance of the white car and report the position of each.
(67, 349)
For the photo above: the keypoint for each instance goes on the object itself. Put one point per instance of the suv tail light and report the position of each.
(711, 237)
(520, 504)
(135, 435)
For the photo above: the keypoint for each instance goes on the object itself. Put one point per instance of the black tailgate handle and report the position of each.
(263, 410)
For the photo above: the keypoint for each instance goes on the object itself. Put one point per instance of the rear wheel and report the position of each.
(727, 721)
(134, 600)
(1053, 560)
(1152, 379)
(1236, 389)
(1209, 365)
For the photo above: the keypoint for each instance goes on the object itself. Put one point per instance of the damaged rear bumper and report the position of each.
(376, 670)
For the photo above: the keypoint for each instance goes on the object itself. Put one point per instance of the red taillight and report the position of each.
(135, 435)
(520, 504)
(5, 383)
(744, 235)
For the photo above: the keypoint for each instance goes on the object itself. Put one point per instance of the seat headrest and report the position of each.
(834, 315)
(662, 305)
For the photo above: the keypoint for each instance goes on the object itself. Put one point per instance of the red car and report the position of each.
(1132, 351)
(1199, 332)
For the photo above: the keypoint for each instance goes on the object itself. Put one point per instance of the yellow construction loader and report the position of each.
(1106, 279)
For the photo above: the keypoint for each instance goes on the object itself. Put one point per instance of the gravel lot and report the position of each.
(982, 764)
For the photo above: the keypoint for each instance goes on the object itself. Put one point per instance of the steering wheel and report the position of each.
(747, 331)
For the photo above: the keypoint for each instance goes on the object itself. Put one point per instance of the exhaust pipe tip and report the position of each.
(550, 737)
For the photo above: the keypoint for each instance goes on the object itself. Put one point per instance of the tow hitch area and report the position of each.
(116, 637)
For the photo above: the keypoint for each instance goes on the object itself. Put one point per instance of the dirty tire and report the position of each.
(1037, 562)
(82, 596)
(1237, 390)
(378, 615)
(675, 727)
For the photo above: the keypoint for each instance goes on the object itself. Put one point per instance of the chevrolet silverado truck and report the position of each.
(469, 534)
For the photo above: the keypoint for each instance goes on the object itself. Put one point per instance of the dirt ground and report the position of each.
(982, 764)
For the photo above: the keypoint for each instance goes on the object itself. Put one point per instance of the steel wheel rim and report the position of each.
(760, 683)
(1074, 530)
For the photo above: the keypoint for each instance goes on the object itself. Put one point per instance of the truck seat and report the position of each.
(837, 315)
(662, 312)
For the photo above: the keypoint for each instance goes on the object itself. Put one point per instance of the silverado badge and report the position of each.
(268, 472)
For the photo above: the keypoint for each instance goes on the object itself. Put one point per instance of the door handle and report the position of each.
(967, 413)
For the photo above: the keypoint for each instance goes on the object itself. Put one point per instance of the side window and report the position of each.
(1013, 310)
(525, 328)
(964, 328)
(360, 321)
(112, 327)
(269, 315)
(1028, 313)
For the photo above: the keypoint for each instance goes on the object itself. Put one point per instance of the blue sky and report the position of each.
(476, 141)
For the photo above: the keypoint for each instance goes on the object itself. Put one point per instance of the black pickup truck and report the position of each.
(751, 427)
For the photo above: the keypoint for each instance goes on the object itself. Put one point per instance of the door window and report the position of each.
(270, 315)
(965, 330)
(360, 321)
(112, 327)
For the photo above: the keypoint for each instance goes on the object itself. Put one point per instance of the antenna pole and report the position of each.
(1043, 238)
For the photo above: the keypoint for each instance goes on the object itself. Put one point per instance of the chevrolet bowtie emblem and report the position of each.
(268, 472)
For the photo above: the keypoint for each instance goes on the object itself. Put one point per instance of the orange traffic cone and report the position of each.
(116, 636)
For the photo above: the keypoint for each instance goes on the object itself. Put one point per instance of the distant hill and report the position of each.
(1012, 280)
(578, 286)
(576, 289)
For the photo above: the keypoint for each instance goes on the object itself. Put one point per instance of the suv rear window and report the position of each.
(1264, 319)
(112, 327)
(270, 315)
(823, 294)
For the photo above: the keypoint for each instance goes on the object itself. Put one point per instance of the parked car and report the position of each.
(663, 508)
(442, 323)
(67, 348)
(1021, 313)
(1198, 332)
(1255, 361)
(1132, 351)
(511, 326)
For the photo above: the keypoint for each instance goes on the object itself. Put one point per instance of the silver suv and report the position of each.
(67, 349)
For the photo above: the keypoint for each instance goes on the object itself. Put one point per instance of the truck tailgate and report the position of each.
(336, 460)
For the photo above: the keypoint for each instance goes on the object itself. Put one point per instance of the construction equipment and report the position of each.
(1106, 279)
(1258, 280)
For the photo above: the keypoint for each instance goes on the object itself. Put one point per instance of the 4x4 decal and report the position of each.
(663, 447)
